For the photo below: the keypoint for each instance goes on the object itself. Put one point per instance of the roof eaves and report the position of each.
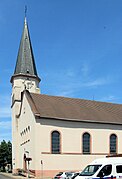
(24, 75)
(80, 120)
(32, 103)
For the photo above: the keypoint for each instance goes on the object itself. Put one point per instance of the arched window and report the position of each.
(86, 143)
(55, 142)
(113, 144)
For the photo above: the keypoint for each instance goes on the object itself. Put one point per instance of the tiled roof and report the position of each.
(72, 109)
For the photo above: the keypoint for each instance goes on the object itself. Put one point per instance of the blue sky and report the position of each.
(77, 46)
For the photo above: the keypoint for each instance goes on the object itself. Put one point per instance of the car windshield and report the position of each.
(59, 174)
(90, 170)
(69, 174)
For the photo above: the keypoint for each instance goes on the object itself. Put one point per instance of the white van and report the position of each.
(106, 168)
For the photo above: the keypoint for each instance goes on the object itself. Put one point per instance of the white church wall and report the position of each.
(34, 136)
(26, 134)
(15, 137)
(71, 157)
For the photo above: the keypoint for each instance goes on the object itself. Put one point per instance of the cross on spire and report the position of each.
(25, 11)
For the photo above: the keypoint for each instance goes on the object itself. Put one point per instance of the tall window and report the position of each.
(86, 143)
(113, 144)
(55, 142)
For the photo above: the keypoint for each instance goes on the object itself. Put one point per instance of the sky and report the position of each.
(77, 46)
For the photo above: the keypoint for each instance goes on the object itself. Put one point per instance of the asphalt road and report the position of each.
(4, 177)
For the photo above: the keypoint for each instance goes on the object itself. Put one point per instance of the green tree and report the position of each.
(9, 144)
(5, 154)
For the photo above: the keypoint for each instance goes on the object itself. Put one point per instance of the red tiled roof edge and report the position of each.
(32, 103)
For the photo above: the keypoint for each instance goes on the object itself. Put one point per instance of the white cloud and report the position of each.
(109, 98)
(5, 130)
(64, 92)
(70, 73)
(85, 70)
(5, 125)
(95, 83)
(5, 112)
(5, 99)
(70, 81)
(5, 109)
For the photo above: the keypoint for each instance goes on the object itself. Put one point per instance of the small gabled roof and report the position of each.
(25, 64)
(73, 109)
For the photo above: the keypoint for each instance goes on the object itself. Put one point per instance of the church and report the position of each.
(53, 133)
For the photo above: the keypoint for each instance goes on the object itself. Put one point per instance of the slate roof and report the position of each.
(73, 109)
(25, 60)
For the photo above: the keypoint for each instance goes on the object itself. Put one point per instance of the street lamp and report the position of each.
(42, 169)
(28, 161)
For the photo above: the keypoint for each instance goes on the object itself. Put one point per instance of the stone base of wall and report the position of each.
(41, 174)
(46, 173)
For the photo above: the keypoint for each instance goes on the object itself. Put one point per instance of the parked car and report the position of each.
(69, 175)
(60, 175)
(75, 174)
(64, 175)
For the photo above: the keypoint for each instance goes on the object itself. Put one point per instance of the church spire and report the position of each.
(25, 64)
(25, 61)
(25, 69)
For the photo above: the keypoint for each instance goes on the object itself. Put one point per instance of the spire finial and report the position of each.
(25, 15)
(25, 11)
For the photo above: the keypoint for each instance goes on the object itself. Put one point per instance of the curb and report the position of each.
(12, 176)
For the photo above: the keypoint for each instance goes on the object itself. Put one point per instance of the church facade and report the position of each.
(54, 133)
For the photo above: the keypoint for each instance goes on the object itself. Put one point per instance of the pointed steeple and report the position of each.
(25, 74)
(25, 64)
(25, 61)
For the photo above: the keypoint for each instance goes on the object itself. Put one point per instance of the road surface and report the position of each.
(4, 177)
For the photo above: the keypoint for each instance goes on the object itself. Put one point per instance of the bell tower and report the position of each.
(25, 77)
(25, 74)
